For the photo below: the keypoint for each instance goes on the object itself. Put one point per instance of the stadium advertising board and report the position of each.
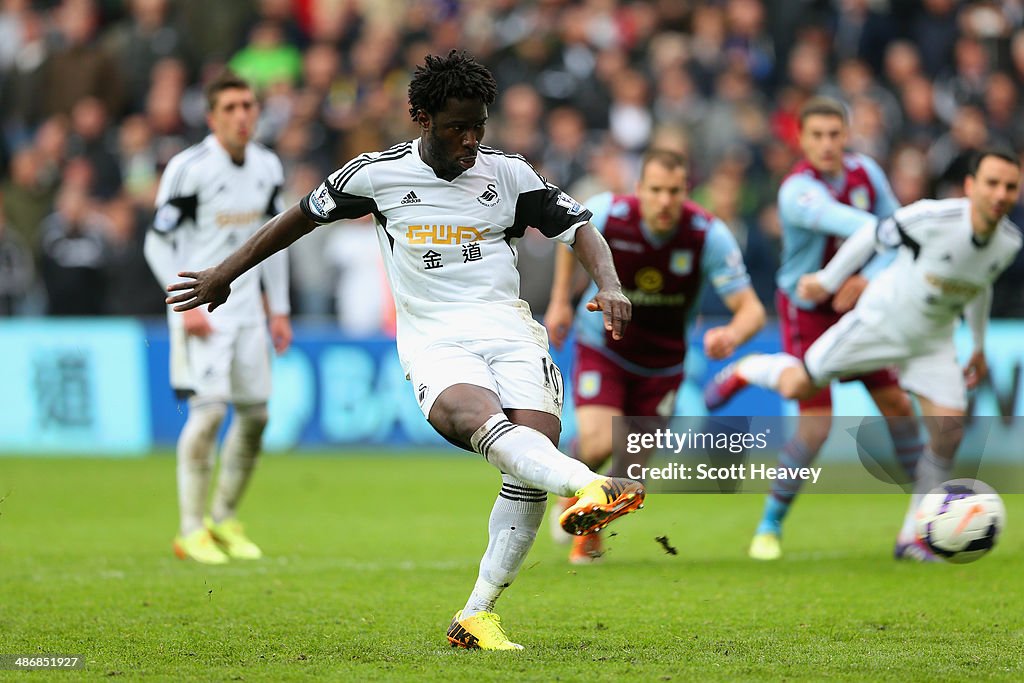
(100, 387)
(74, 386)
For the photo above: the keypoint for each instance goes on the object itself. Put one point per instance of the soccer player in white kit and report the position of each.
(950, 253)
(449, 212)
(212, 197)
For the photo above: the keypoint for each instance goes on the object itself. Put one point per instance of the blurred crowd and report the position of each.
(97, 95)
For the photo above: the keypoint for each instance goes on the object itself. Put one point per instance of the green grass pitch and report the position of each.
(369, 555)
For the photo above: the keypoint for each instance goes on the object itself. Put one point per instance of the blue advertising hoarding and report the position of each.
(74, 386)
(101, 387)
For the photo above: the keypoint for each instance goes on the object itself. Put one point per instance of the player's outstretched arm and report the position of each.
(558, 317)
(854, 253)
(213, 285)
(593, 252)
(748, 317)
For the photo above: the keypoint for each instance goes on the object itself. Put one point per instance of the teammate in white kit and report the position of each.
(449, 212)
(950, 253)
(212, 197)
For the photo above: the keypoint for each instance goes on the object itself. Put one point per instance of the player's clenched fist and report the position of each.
(810, 288)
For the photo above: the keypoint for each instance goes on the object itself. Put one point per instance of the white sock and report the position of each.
(195, 460)
(238, 458)
(765, 369)
(931, 472)
(515, 518)
(529, 456)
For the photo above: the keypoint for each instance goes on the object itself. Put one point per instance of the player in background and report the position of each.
(449, 212)
(950, 252)
(665, 249)
(827, 195)
(212, 197)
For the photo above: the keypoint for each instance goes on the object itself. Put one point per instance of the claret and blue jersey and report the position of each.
(818, 212)
(663, 279)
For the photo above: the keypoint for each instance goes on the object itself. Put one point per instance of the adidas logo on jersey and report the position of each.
(411, 198)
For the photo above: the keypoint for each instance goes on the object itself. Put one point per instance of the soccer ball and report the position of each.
(961, 520)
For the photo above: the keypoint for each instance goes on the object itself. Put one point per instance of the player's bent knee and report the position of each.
(252, 420)
(206, 417)
(462, 409)
(796, 384)
(893, 402)
(253, 416)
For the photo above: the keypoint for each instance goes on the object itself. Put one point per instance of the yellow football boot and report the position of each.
(230, 536)
(600, 502)
(481, 631)
(766, 546)
(199, 546)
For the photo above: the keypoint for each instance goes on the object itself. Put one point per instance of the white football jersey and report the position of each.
(940, 267)
(450, 246)
(206, 207)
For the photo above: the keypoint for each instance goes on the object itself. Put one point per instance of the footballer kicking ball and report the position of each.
(961, 520)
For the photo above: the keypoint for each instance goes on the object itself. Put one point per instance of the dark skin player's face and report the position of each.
(451, 136)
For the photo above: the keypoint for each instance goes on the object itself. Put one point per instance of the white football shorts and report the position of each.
(521, 373)
(927, 367)
(231, 365)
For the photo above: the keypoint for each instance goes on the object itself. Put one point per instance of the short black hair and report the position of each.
(225, 80)
(457, 76)
(980, 155)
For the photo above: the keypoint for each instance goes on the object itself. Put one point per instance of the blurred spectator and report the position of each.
(861, 32)
(267, 58)
(722, 196)
(868, 133)
(630, 121)
(608, 171)
(13, 17)
(948, 157)
(934, 30)
(138, 160)
(213, 31)
(106, 91)
(964, 82)
(73, 255)
(706, 42)
(1003, 110)
(854, 80)
(90, 140)
(27, 197)
(921, 124)
(746, 41)
(565, 157)
(807, 68)
(16, 272)
(909, 175)
(733, 122)
(164, 105)
(312, 268)
(902, 63)
(677, 100)
(22, 60)
(517, 128)
(138, 43)
(78, 67)
(131, 289)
